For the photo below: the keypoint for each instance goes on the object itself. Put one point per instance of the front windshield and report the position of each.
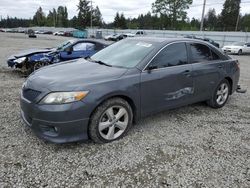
(126, 53)
(238, 44)
(64, 45)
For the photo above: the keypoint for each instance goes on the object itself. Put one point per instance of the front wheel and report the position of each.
(240, 52)
(221, 95)
(110, 121)
(39, 65)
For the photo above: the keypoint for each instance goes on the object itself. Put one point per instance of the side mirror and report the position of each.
(69, 50)
(151, 67)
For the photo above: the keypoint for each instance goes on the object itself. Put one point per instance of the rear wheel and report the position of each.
(110, 121)
(220, 95)
(240, 52)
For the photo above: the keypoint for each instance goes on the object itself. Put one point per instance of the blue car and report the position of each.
(31, 60)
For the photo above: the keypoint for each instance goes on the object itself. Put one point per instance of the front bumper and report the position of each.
(11, 62)
(233, 51)
(56, 123)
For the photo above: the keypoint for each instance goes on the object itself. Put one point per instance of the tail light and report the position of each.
(238, 64)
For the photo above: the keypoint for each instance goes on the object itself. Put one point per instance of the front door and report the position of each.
(167, 81)
(79, 50)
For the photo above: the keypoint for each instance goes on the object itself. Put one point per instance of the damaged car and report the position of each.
(31, 60)
(100, 97)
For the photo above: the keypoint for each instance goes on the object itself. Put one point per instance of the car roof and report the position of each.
(166, 40)
(94, 41)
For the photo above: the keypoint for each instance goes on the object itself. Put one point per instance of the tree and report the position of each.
(74, 22)
(50, 19)
(123, 24)
(211, 19)
(116, 20)
(84, 14)
(174, 9)
(245, 23)
(62, 16)
(39, 18)
(97, 17)
(195, 24)
(55, 17)
(120, 21)
(230, 13)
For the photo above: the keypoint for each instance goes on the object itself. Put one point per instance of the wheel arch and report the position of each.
(131, 102)
(231, 84)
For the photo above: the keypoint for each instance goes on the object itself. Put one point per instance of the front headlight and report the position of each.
(64, 97)
(20, 60)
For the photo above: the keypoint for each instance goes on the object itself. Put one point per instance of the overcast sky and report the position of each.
(131, 8)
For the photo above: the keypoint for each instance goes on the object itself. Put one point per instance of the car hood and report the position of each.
(72, 75)
(30, 52)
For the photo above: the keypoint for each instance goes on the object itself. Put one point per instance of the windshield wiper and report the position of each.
(99, 62)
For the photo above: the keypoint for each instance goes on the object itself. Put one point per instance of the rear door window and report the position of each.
(200, 53)
(215, 56)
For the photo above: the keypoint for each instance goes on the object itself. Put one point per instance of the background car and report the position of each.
(237, 48)
(31, 33)
(34, 59)
(117, 37)
(108, 37)
(101, 97)
(68, 33)
(136, 34)
(212, 42)
(59, 33)
(204, 39)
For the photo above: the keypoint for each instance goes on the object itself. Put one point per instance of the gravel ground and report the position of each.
(193, 146)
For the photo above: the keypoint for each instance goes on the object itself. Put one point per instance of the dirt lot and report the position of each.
(193, 146)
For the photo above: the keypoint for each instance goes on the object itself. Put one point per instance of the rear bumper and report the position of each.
(236, 78)
(57, 124)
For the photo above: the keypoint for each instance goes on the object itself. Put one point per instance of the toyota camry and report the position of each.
(100, 98)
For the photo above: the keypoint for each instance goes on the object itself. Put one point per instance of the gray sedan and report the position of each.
(101, 97)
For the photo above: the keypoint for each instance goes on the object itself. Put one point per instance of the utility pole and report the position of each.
(202, 17)
(237, 23)
(91, 17)
(54, 19)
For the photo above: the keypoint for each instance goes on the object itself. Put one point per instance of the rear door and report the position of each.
(166, 82)
(208, 69)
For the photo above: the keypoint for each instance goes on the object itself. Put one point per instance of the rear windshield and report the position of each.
(126, 53)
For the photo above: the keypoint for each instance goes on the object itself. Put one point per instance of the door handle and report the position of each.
(187, 73)
(220, 66)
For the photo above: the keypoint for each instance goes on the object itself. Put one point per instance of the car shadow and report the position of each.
(194, 109)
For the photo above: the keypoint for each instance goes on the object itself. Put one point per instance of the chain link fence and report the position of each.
(223, 38)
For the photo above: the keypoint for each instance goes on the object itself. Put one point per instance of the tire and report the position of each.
(39, 65)
(240, 52)
(110, 121)
(221, 95)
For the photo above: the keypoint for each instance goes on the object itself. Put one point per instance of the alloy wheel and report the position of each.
(39, 65)
(222, 94)
(113, 122)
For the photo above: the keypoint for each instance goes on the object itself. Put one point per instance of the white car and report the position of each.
(138, 33)
(108, 37)
(59, 33)
(237, 48)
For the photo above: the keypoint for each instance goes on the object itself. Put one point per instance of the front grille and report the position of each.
(31, 94)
